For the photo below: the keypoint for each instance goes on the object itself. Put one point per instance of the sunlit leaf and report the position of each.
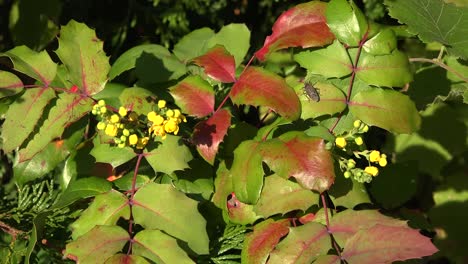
(106, 209)
(332, 100)
(170, 155)
(154, 209)
(194, 96)
(346, 21)
(126, 259)
(313, 239)
(193, 44)
(105, 153)
(218, 64)
(137, 99)
(10, 84)
(98, 244)
(240, 213)
(383, 43)
(259, 87)
(82, 188)
(388, 109)
(208, 134)
(159, 247)
(301, 26)
(82, 52)
(259, 244)
(235, 38)
(223, 186)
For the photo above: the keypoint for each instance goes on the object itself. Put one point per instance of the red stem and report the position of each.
(130, 202)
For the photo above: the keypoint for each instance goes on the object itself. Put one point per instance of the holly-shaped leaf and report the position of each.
(106, 209)
(259, 244)
(159, 247)
(193, 44)
(349, 193)
(332, 100)
(30, 105)
(280, 196)
(385, 244)
(313, 238)
(105, 153)
(154, 209)
(69, 108)
(82, 52)
(301, 26)
(10, 84)
(194, 96)
(259, 87)
(235, 38)
(138, 99)
(82, 188)
(346, 21)
(208, 134)
(218, 64)
(381, 44)
(305, 158)
(170, 155)
(97, 245)
(37, 65)
(388, 109)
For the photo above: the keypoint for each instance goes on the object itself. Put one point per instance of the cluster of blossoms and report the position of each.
(127, 128)
(372, 156)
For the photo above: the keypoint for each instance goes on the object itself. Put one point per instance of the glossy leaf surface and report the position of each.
(194, 96)
(235, 38)
(105, 153)
(219, 64)
(172, 147)
(83, 188)
(10, 84)
(332, 100)
(346, 21)
(193, 44)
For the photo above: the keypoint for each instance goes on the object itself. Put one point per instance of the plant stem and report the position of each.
(440, 64)
(130, 202)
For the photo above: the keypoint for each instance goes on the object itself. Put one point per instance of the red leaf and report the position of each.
(219, 64)
(259, 244)
(301, 26)
(259, 87)
(194, 96)
(209, 133)
(302, 157)
(386, 244)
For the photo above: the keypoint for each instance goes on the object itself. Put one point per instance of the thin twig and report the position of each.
(441, 64)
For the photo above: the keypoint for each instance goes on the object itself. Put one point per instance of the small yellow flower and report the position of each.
(122, 111)
(101, 103)
(101, 125)
(121, 145)
(374, 156)
(161, 103)
(114, 118)
(171, 127)
(142, 142)
(347, 174)
(365, 128)
(158, 131)
(357, 123)
(170, 113)
(351, 164)
(111, 130)
(340, 142)
(383, 162)
(126, 132)
(155, 118)
(372, 170)
(103, 110)
(177, 113)
(359, 141)
(133, 139)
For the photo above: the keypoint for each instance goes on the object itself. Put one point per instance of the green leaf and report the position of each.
(266, 235)
(68, 109)
(39, 223)
(124, 258)
(313, 238)
(235, 38)
(247, 172)
(82, 52)
(346, 21)
(159, 247)
(82, 188)
(348, 193)
(111, 94)
(433, 20)
(97, 245)
(30, 105)
(154, 209)
(332, 100)
(106, 209)
(10, 84)
(321, 132)
(138, 99)
(223, 186)
(169, 156)
(193, 44)
(37, 65)
(125, 183)
(194, 96)
(105, 153)
(388, 109)
(156, 68)
(381, 44)
(239, 213)
(331, 61)
(280, 196)
(390, 70)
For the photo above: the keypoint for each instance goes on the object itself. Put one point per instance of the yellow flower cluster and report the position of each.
(359, 128)
(162, 124)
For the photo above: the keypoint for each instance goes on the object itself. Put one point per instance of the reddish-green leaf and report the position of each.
(82, 52)
(193, 44)
(97, 245)
(259, 244)
(10, 84)
(169, 156)
(301, 26)
(386, 244)
(235, 38)
(280, 196)
(305, 158)
(247, 172)
(302, 245)
(347, 223)
(154, 208)
(240, 213)
(208, 134)
(194, 96)
(23, 115)
(68, 109)
(159, 247)
(126, 259)
(346, 21)
(37, 65)
(259, 87)
(106, 209)
(219, 64)
(388, 109)
(332, 100)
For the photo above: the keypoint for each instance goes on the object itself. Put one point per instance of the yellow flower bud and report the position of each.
(103, 110)
(122, 111)
(114, 118)
(161, 103)
(133, 139)
(374, 156)
(357, 123)
(383, 162)
(142, 142)
(170, 113)
(101, 125)
(101, 103)
(121, 145)
(177, 113)
(372, 170)
(340, 142)
(359, 141)
(347, 174)
(126, 132)
(111, 130)
(171, 127)
(365, 128)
